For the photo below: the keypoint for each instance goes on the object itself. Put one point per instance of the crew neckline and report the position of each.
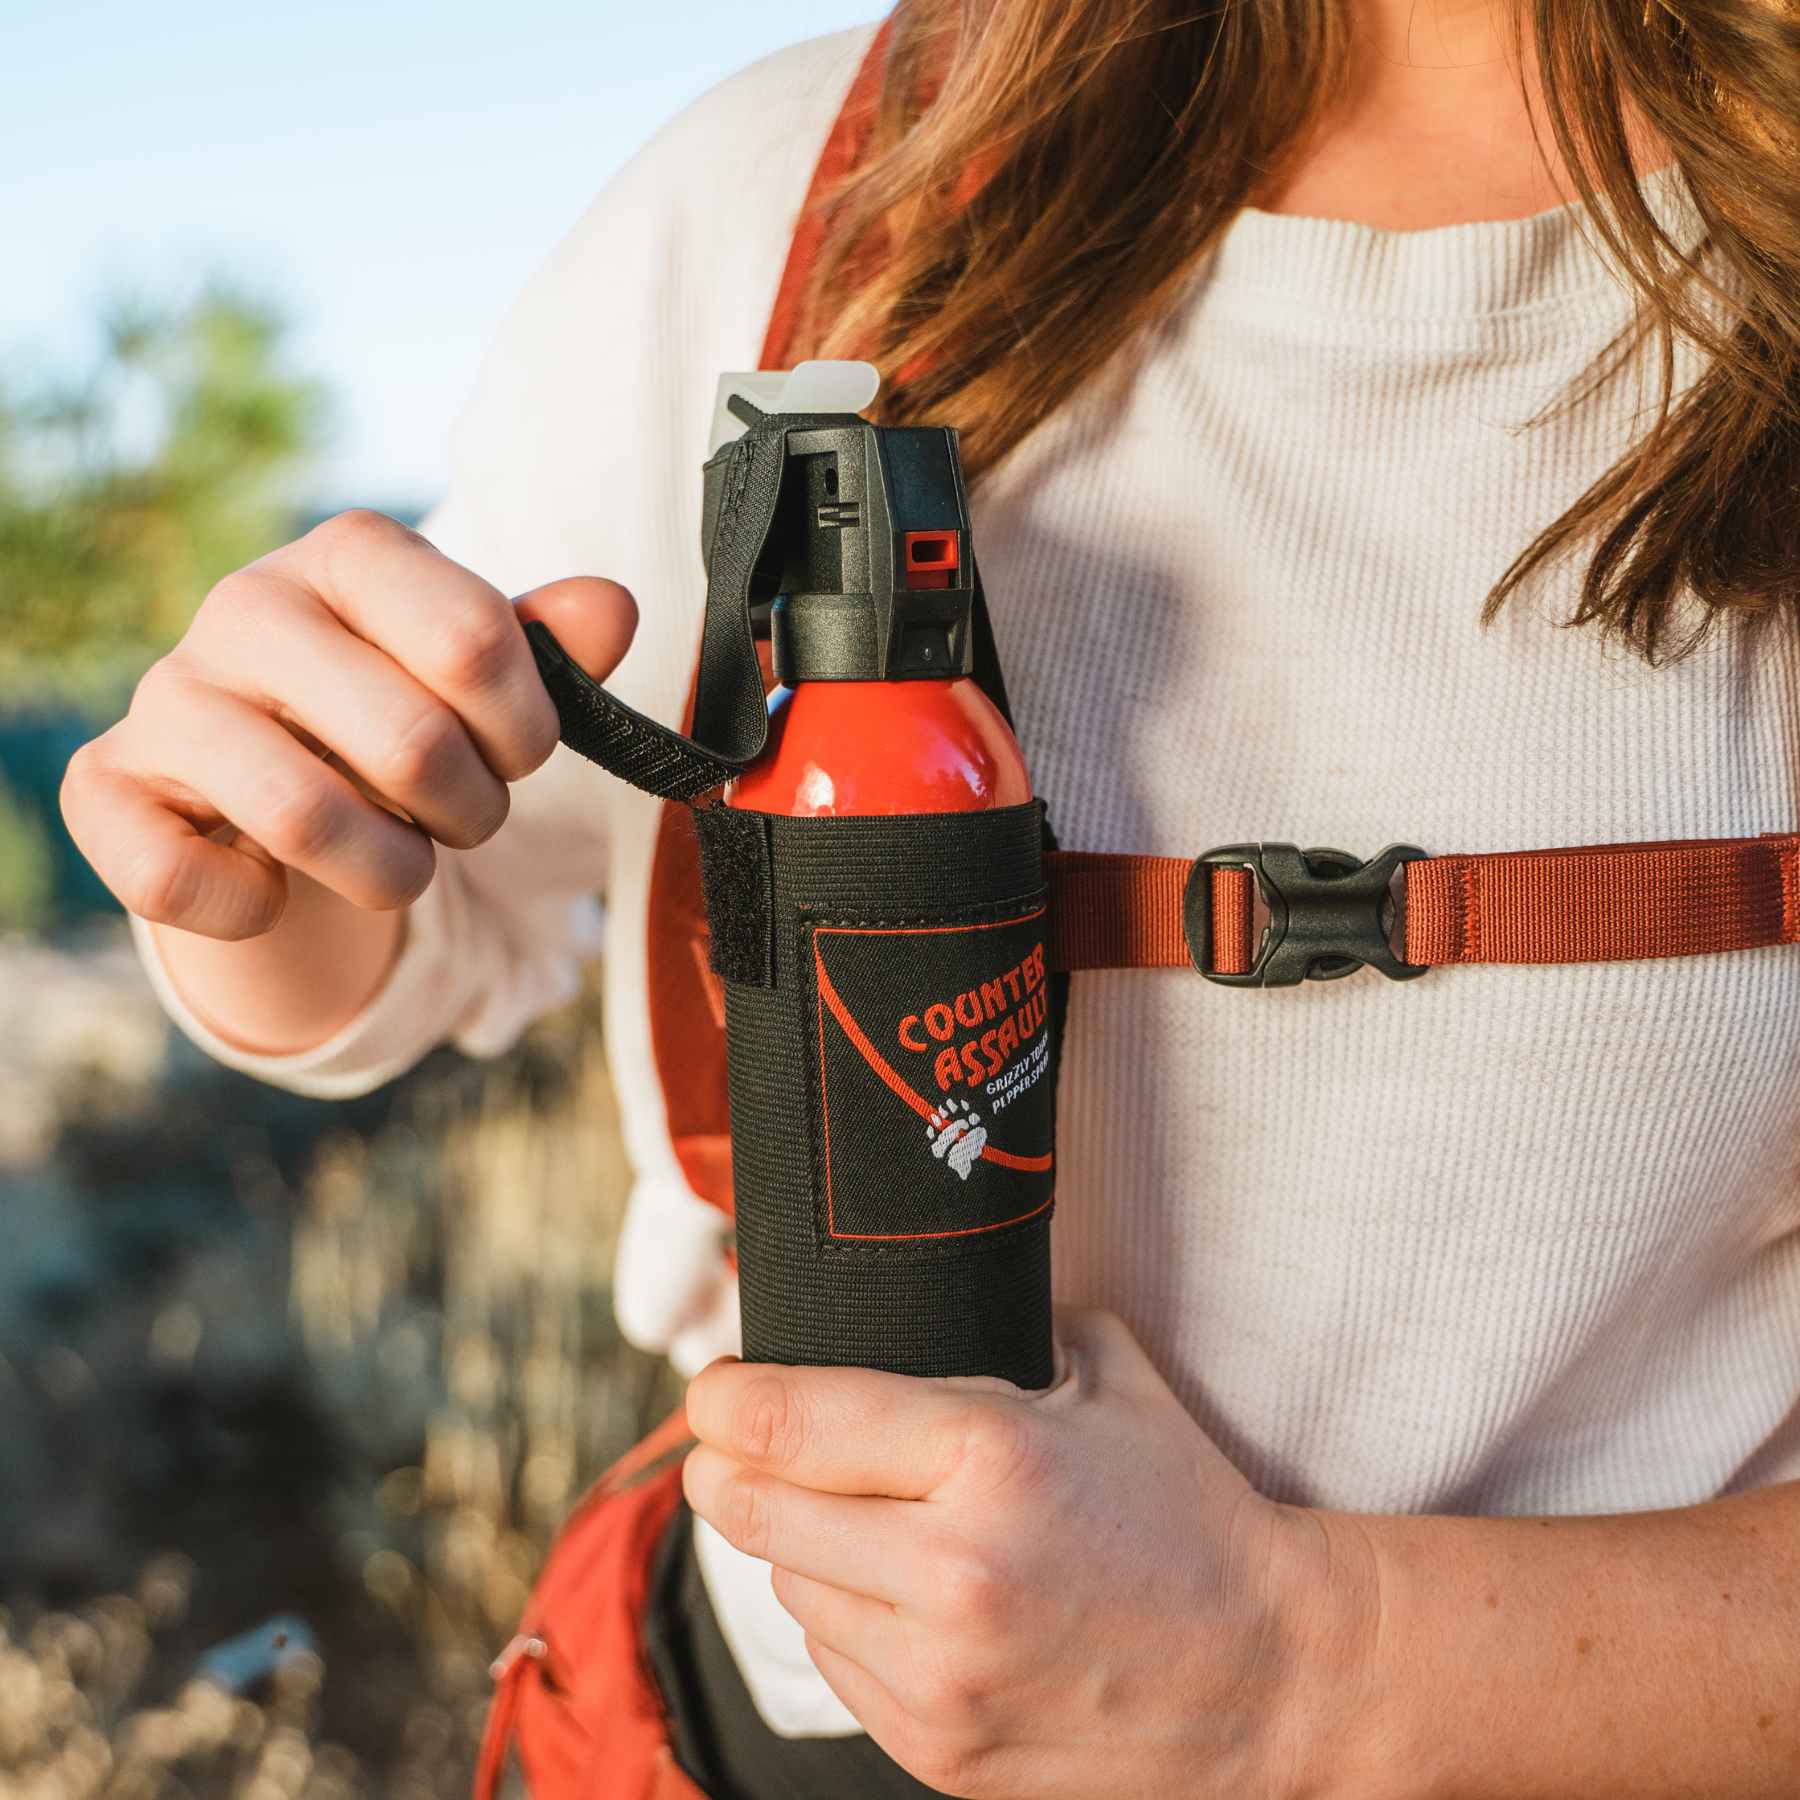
(1442, 272)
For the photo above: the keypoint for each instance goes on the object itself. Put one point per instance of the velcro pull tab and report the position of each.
(740, 894)
(614, 735)
(620, 739)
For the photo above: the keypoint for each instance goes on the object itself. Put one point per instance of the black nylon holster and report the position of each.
(891, 1025)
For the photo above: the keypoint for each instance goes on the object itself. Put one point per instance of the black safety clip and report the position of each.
(1329, 913)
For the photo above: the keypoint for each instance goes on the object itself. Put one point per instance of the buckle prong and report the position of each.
(1330, 913)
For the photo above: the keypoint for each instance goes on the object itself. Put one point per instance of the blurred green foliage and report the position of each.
(27, 873)
(126, 492)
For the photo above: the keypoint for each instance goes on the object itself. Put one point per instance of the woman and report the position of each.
(1446, 1439)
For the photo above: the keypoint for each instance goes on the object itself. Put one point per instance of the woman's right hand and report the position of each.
(335, 709)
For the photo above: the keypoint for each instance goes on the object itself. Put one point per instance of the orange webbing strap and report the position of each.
(1592, 903)
(1116, 912)
(1605, 902)
(686, 1001)
(1125, 912)
(663, 1441)
(843, 150)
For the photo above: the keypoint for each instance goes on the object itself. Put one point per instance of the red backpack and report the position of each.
(574, 1695)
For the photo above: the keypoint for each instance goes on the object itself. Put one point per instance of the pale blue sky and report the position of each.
(390, 173)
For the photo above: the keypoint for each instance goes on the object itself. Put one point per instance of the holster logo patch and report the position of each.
(936, 1076)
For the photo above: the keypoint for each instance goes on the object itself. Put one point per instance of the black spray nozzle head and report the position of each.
(867, 572)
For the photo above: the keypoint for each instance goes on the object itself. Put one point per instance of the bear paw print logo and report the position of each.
(956, 1135)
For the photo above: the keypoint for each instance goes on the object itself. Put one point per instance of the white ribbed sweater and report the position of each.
(1503, 1239)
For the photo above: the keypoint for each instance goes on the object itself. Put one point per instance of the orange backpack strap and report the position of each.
(686, 1001)
(1265, 915)
(849, 138)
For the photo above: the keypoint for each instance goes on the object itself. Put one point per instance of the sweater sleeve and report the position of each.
(474, 969)
(578, 455)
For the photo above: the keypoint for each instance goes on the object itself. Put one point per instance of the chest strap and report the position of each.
(1271, 915)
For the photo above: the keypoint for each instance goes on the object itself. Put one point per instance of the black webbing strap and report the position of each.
(731, 722)
(985, 653)
(622, 740)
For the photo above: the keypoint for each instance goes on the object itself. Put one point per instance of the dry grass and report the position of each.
(449, 1268)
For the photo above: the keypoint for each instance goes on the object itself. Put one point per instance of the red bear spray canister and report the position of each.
(872, 859)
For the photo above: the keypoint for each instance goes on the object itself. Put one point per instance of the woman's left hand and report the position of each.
(1068, 1593)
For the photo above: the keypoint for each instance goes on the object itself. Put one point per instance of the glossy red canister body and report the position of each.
(855, 748)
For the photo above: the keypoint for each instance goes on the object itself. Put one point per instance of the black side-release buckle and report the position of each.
(1329, 913)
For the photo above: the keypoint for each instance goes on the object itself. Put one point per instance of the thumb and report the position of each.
(593, 619)
(1097, 1348)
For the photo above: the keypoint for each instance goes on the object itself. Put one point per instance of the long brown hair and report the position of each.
(1043, 175)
